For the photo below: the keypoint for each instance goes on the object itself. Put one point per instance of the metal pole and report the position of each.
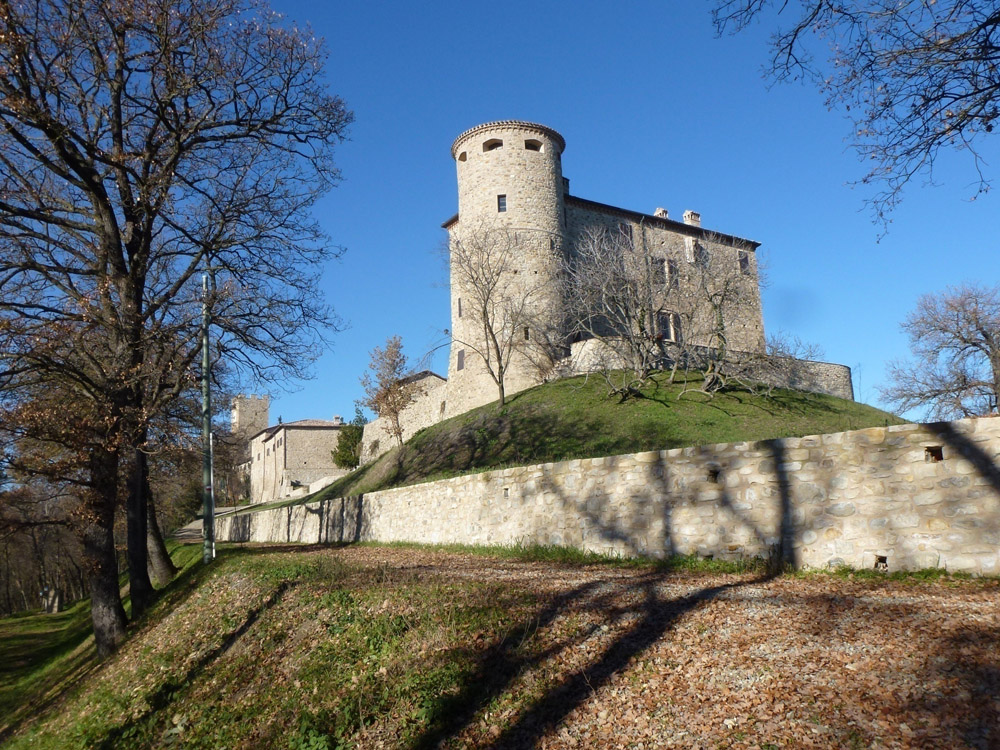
(211, 455)
(208, 503)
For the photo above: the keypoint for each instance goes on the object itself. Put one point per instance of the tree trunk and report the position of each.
(161, 567)
(140, 587)
(106, 610)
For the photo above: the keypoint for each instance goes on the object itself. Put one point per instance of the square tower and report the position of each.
(249, 414)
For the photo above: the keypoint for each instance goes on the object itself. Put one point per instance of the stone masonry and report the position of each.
(900, 498)
(510, 177)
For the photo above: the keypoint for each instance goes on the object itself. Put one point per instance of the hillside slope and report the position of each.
(374, 647)
(575, 418)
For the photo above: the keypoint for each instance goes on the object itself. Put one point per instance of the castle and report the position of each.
(517, 232)
(285, 459)
(517, 217)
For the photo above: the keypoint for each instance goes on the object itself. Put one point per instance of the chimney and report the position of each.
(693, 218)
(661, 213)
(338, 420)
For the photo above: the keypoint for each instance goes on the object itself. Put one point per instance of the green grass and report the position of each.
(575, 418)
(40, 654)
(552, 553)
(288, 650)
(302, 649)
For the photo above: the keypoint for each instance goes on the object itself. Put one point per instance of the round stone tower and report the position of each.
(510, 191)
(520, 161)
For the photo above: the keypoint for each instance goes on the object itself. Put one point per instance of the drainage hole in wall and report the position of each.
(881, 562)
(933, 454)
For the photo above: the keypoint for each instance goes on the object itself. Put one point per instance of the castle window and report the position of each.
(501, 203)
(462, 156)
(702, 259)
(626, 231)
(461, 360)
(492, 144)
(527, 334)
(744, 257)
(460, 307)
(659, 271)
(533, 145)
(669, 326)
(672, 274)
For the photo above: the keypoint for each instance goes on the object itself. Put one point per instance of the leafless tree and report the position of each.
(914, 76)
(388, 385)
(683, 309)
(501, 302)
(783, 362)
(616, 299)
(716, 293)
(955, 341)
(142, 143)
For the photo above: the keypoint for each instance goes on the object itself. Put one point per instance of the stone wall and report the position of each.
(907, 496)
(688, 293)
(815, 377)
(427, 408)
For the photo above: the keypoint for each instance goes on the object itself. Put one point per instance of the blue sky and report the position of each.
(656, 111)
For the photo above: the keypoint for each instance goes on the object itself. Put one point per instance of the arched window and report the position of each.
(532, 145)
(492, 144)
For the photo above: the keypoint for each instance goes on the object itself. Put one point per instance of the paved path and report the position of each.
(191, 533)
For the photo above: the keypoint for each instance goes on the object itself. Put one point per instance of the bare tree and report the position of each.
(616, 298)
(955, 341)
(502, 303)
(783, 362)
(683, 309)
(914, 76)
(388, 387)
(142, 143)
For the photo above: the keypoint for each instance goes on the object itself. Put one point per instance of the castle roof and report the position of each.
(520, 124)
(422, 375)
(676, 226)
(308, 424)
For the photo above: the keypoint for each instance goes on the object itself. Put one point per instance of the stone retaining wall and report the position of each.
(906, 496)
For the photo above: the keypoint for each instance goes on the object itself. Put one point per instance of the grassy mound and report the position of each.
(575, 418)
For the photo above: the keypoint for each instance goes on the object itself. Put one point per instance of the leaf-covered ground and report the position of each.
(383, 648)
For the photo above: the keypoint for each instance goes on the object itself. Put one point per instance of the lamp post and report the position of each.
(208, 498)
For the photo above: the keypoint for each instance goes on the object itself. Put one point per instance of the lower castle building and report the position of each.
(517, 232)
(286, 459)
